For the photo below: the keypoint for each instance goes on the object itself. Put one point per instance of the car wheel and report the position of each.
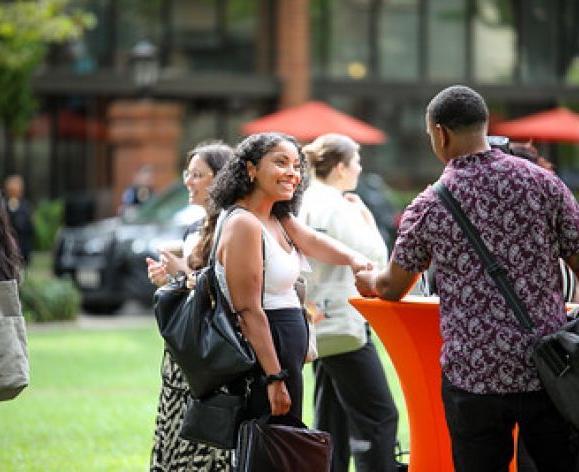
(102, 308)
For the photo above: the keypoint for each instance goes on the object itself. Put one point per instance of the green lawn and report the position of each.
(91, 404)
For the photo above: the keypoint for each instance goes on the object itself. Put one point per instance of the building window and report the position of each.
(398, 39)
(447, 29)
(494, 42)
(212, 36)
(204, 35)
(135, 21)
(539, 51)
(349, 44)
(319, 36)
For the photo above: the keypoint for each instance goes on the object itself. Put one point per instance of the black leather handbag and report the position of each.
(556, 355)
(214, 420)
(281, 444)
(200, 331)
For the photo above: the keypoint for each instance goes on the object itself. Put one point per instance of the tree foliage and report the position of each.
(27, 28)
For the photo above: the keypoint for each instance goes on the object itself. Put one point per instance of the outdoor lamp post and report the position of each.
(145, 66)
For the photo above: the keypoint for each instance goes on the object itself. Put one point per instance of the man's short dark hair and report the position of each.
(458, 107)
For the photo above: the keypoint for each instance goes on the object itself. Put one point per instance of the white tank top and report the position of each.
(281, 272)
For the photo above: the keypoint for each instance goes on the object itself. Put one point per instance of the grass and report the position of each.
(92, 401)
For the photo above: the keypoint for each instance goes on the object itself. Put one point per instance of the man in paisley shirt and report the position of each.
(528, 219)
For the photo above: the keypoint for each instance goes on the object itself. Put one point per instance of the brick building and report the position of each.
(223, 62)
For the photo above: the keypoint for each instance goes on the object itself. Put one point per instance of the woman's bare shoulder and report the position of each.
(242, 223)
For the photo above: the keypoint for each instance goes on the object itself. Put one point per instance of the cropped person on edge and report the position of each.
(20, 215)
(529, 219)
(265, 181)
(10, 258)
(170, 452)
(352, 398)
(529, 152)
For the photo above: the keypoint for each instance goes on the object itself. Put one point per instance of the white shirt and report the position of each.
(326, 210)
(281, 272)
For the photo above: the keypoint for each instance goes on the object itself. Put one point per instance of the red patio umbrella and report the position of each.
(312, 119)
(558, 125)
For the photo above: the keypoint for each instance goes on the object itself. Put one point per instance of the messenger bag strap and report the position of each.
(493, 268)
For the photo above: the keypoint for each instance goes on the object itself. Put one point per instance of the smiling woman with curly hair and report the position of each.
(259, 257)
(235, 182)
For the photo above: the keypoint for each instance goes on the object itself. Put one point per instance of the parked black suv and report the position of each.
(106, 259)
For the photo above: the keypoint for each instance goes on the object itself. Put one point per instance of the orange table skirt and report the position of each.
(410, 332)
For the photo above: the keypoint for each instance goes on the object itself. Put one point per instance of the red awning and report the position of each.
(312, 119)
(558, 125)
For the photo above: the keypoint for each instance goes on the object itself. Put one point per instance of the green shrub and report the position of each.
(49, 299)
(48, 218)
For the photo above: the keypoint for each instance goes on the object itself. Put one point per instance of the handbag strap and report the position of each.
(493, 268)
(217, 236)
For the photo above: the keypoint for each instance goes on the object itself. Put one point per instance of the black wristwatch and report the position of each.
(281, 375)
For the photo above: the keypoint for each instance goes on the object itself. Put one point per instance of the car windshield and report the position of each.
(161, 207)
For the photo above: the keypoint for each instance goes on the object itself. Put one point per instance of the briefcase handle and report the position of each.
(284, 420)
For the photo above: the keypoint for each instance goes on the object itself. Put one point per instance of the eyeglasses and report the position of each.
(194, 175)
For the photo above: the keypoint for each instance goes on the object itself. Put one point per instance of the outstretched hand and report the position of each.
(359, 262)
(366, 283)
(173, 263)
(156, 272)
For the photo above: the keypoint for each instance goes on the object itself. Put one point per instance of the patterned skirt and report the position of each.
(171, 453)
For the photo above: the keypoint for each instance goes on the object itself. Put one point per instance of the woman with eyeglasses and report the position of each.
(170, 452)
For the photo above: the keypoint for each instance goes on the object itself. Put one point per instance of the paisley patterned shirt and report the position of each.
(528, 219)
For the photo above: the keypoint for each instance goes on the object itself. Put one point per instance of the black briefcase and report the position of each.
(281, 444)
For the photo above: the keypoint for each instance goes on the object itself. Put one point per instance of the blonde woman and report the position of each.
(352, 398)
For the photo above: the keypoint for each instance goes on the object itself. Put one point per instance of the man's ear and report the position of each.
(444, 135)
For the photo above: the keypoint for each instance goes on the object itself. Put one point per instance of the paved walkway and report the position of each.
(132, 315)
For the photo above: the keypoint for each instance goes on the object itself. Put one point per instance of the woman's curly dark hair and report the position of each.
(233, 182)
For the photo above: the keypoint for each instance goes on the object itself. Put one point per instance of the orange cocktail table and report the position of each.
(410, 332)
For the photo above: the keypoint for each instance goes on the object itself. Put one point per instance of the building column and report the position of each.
(144, 132)
(293, 66)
